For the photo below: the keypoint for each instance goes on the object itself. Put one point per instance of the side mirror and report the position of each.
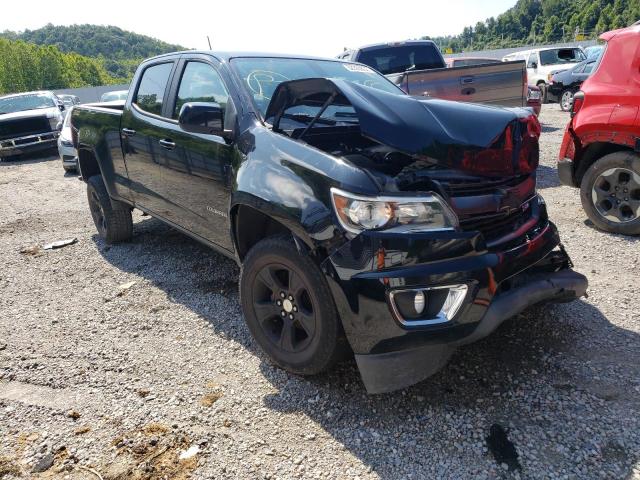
(61, 107)
(534, 65)
(203, 117)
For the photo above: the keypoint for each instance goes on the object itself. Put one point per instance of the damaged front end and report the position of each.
(456, 239)
(480, 160)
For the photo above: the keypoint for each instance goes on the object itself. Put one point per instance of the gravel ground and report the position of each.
(115, 360)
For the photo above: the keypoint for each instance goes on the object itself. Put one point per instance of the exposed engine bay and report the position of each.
(483, 167)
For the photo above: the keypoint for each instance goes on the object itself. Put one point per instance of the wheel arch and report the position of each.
(249, 225)
(592, 153)
(88, 163)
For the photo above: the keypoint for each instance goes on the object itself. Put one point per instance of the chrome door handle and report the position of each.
(168, 144)
(128, 132)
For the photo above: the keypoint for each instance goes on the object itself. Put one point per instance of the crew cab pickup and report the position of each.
(419, 69)
(364, 220)
(600, 151)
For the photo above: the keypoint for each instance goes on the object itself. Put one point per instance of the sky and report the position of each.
(320, 28)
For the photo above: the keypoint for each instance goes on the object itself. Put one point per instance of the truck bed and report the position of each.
(494, 83)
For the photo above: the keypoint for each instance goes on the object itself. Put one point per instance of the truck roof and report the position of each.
(227, 55)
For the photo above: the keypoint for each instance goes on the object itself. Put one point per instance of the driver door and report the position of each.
(196, 167)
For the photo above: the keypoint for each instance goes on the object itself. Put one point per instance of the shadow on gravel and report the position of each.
(549, 128)
(547, 177)
(553, 392)
(539, 395)
(31, 158)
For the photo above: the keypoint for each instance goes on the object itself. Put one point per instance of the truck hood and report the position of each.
(52, 112)
(411, 124)
(424, 127)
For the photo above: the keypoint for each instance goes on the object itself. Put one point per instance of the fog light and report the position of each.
(419, 302)
(428, 305)
(454, 301)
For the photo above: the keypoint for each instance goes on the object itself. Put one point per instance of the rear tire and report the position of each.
(543, 92)
(112, 218)
(610, 193)
(289, 309)
(566, 100)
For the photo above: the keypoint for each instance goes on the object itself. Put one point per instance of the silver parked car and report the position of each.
(115, 95)
(68, 153)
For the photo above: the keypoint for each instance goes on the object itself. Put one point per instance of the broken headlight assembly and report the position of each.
(357, 213)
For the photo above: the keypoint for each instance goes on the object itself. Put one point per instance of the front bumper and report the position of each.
(68, 155)
(28, 144)
(501, 281)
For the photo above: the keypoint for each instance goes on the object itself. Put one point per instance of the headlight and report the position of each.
(357, 213)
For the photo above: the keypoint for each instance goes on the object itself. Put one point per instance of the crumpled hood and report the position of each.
(52, 112)
(414, 125)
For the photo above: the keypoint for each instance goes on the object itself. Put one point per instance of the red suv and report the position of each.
(601, 144)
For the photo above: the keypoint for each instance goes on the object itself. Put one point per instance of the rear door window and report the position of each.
(150, 94)
(400, 58)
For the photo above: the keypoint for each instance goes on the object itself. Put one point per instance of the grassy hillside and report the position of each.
(545, 21)
(119, 51)
(25, 66)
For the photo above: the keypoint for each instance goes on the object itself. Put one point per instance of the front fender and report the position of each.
(290, 182)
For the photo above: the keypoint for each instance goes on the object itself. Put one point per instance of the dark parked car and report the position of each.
(565, 83)
(29, 122)
(364, 219)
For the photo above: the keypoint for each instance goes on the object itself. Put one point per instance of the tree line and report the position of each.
(26, 66)
(119, 51)
(544, 21)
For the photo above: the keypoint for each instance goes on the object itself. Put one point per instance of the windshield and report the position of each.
(21, 103)
(400, 58)
(261, 76)
(561, 55)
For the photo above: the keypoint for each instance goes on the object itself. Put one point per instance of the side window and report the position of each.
(200, 83)
(152, 86)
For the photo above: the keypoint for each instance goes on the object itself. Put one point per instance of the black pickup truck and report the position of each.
(364, 220)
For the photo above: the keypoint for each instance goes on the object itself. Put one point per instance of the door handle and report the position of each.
(168, 144)
(128, 132)
(466, 80)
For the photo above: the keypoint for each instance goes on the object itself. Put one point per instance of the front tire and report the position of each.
(610, 193)
(112, 218)
(566, 100)
(288, 307)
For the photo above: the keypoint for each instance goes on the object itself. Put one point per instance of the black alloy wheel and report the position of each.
(289, 309)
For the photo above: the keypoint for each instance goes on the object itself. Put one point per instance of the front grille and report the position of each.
(496, 225)
(480, 186)
(22, 127)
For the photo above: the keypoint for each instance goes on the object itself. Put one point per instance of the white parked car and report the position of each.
(114, 95)
(68, 153)
(541, 62)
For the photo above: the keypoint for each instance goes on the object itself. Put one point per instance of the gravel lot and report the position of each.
(114, 360)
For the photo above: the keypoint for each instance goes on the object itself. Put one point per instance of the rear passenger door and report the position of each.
(197, 166)
(142, 130)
